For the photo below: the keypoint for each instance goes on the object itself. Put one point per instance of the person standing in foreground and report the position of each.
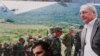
(90, 36)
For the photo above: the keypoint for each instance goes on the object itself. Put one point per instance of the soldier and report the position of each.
(54, 41)
(68, 41)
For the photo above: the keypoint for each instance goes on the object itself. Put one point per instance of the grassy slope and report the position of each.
(11, 32)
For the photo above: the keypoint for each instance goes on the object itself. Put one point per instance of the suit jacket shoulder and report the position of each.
(96, 37)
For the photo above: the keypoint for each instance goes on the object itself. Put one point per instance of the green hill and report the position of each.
(52, 14)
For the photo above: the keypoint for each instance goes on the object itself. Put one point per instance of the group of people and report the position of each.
(47, 46)
(53, 43)
(86, 41)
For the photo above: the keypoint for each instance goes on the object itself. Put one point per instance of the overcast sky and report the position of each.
(76, 1)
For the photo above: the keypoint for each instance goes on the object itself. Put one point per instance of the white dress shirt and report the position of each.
(87, 49)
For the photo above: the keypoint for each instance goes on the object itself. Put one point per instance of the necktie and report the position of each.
(85, 32)
(83, 36)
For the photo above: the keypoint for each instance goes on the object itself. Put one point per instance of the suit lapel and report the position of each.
(94, 30)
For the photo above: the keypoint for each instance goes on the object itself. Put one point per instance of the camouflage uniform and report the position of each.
(54, 41)
(68, 41)
(55, 45)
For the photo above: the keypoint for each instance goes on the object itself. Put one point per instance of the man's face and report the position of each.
(38, 51)
(57, 34)
(72, 32)
(87, 15)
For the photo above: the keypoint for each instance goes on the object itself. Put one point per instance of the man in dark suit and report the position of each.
(90, 36)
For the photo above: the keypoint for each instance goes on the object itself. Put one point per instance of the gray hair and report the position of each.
(90, 6)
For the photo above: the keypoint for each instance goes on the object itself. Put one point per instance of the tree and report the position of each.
(9, 20)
